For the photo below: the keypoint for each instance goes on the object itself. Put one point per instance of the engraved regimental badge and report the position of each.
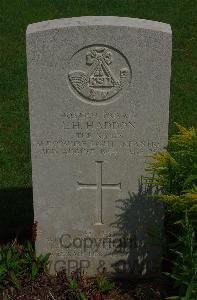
(104, 72)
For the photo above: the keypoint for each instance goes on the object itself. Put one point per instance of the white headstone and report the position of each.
(99, 92)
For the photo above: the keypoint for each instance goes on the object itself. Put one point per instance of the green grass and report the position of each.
(15, 166)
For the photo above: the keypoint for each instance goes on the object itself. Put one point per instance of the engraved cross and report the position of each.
(99, 187)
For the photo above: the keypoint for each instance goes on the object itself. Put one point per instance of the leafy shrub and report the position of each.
(19, 264)
(175, 173)
(184, 271)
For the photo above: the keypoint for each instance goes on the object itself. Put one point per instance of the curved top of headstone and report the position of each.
(99, 20)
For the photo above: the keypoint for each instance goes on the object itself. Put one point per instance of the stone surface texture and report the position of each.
(99, 92)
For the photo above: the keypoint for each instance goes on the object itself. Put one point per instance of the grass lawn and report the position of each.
(15, 165)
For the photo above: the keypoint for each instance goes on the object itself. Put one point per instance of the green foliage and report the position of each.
(81, 289)
(35, 264)
(103, 285)
(19, 264)
(72, 284)
(184, 271)
(10, 266)
(82, 296)
(176, 169)
(175, 172)
(75, 286)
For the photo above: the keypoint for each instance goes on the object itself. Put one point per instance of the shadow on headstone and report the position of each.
(139, 234)
(16, 214)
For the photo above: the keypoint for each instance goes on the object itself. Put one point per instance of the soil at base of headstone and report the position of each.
(47, 287)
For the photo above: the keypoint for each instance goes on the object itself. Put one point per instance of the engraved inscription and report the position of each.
(81, 147)
(103, 74)
(104, 133)
(99, 187)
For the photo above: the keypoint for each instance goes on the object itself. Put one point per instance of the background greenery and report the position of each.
(15, 165)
